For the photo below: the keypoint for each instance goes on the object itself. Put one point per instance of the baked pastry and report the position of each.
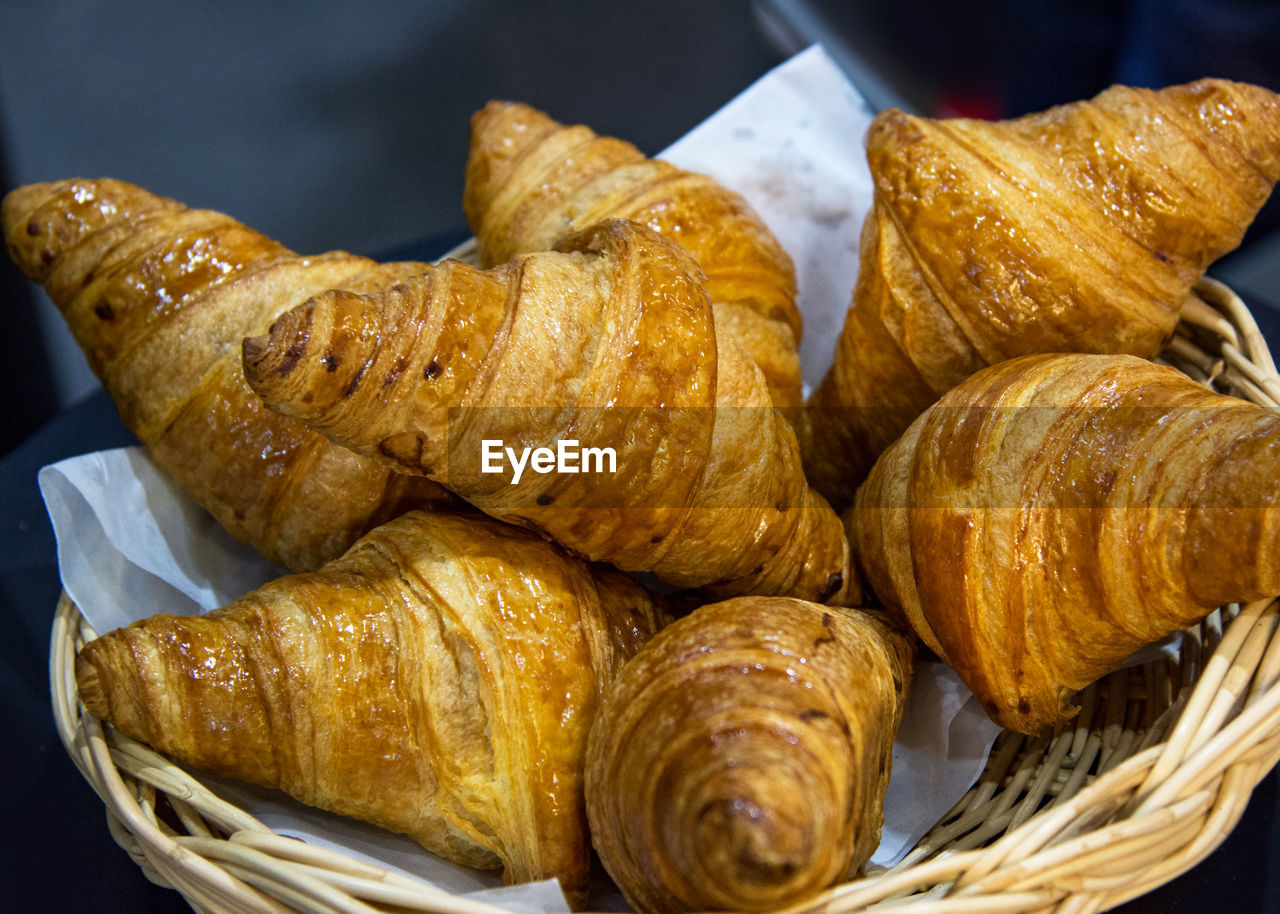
(1077, 229)
(438, 680)
(740, 760)
(531, 181)
(159, 296)
(1054, 513)
(607, 342)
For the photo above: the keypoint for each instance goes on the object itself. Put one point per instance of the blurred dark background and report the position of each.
(342, 125)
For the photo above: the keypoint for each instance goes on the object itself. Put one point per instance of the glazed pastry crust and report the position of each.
(159, 296)
(1054, 513)
(437, 680)
(1078, 229)
(531, 181)
(741, 759)
(609, 341)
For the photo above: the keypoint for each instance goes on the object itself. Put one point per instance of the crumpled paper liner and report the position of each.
(130, 544)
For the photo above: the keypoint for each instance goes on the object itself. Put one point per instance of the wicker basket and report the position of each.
(1150, 778)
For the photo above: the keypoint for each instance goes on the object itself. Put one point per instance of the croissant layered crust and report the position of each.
(741, 758)
(1078, 229)
(437, 680)
(1020, 486)
(609, 341)
(531, 180)
(159, 296)
(1054, 513)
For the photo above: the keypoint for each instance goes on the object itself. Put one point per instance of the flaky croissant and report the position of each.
(1054, 513)
(438, 680)
(531, 180)
(740, 760)
(1078, 229)
(608, 342)
(159, 297)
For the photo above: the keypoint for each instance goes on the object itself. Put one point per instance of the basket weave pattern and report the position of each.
(1147, 780)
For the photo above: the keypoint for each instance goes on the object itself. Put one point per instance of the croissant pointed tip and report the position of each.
(277, 353)
(260, 361)
(89, 684)
(18, 202)
(497, 107)
(492, 108)
(252, 349)
(759, 848)
(27, 231)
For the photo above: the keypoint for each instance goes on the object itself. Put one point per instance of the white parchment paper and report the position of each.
(130, 544)
(792, 144)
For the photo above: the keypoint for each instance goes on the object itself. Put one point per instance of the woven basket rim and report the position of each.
(1100, 811)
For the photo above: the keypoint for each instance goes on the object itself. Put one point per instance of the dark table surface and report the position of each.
(58, 841)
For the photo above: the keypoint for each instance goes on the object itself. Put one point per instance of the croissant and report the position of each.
(740, 760)
(438, 680)
(1077, 229)
(531, 180)
(1054, 513)
(159, 296)
(607, 343)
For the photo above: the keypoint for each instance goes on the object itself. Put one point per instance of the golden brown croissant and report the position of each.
(608, 342)
(740, 760)
(438, 680)
(1078, 229)
(159, 296)
(1054, 513)
(531, 180)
